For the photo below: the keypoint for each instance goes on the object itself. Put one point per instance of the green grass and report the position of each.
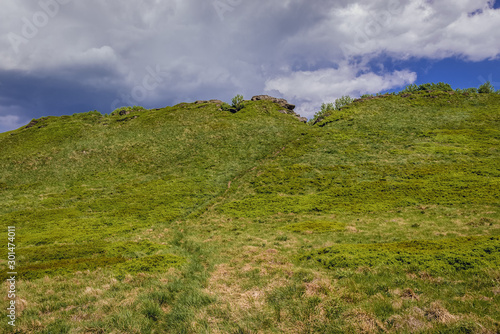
(384, 217)
(445, 256)
(391, 153)
(318, 226)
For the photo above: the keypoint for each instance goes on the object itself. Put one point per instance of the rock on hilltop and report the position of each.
(282, 103)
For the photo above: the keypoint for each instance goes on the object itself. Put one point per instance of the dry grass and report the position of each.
(413, 321)
(436, 312)
(363, 322)
(226, 282)
(240, 296)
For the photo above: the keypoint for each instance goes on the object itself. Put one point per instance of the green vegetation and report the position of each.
(382, 217)
(127, 110)
(486, 88)
(317, 226)
(445, 256)
(328, 109)
(238, 102)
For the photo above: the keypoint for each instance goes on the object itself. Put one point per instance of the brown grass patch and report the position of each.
(352, 229)
(92, 292)
(425, 276)
(363, 322)
(409, 294)
(239, 297)
(319, 286)
(413, 321)
(436, 312)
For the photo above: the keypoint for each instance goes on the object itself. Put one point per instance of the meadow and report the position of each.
(383, 217)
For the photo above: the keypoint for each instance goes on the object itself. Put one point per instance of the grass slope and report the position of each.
(384, 217)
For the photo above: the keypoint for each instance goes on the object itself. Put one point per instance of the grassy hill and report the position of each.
(383, 217)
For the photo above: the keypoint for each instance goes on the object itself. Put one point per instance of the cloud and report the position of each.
(312, 88)
(98, 51)
(11, 122)
(432, 29)
(103, 56)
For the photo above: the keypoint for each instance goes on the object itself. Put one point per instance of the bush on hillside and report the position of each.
(328, 108)
(238, 102)
(486, 88)
(410, 89)
(467, 90)
(343, 101)
(441, 86)
(225, 106)
(129, 109)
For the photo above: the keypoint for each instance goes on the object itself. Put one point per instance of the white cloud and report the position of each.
(11, 122)
(312, 88)
(269, 33)
(422, 29)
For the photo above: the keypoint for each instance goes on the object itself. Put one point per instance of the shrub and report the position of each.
(410, 89)
(225, 106)
(486, 88)
(131, 109)
(443, 256)
(154, 263)
(238, 102)
(328, 108)
(342, 102)
(467, 91)
(441, 86)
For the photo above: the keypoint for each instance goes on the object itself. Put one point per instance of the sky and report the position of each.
(60, 57)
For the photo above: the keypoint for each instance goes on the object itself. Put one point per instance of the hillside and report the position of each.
(383, 217)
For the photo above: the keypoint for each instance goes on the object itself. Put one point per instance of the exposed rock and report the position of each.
(124, 112)
(35, 122)
(216, 101)
(32, 124)
(281, 102)
(200, 102)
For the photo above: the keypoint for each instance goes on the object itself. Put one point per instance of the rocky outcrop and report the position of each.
(282, 103)
(32, 124)
(36, 122)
